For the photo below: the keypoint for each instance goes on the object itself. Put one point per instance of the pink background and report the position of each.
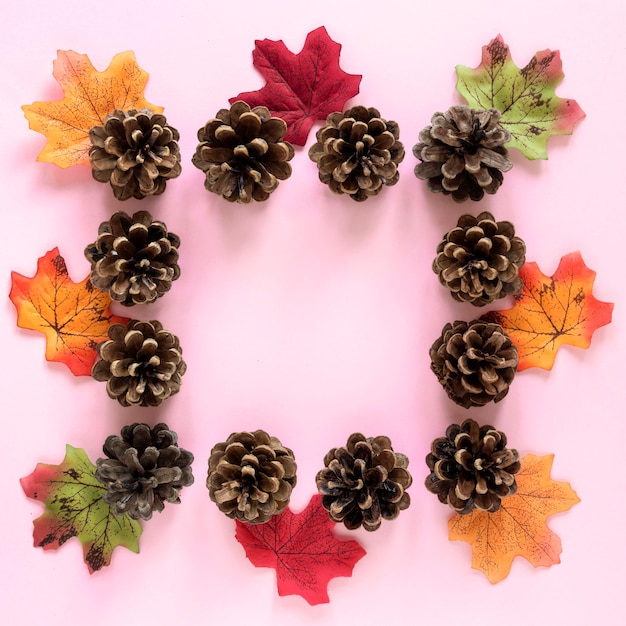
(311, 315)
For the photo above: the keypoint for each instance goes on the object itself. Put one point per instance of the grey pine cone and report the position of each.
(475, 362)
(357, 152)
(134, 258)
(364, 482)
(471, 468)
(242, 153)
(462, 153)
(141, 363)
(144, 469)
(479, 260)
(251, 476)
(136, 152)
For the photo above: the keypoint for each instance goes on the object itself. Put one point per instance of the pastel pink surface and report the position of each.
(311, 315)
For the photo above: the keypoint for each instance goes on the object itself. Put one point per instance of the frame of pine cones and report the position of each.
(244, 154)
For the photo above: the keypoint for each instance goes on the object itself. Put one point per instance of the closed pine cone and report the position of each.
(141, 363)
(136, 152)
(242, 153)
(145, 469)
(365, 482)
(251, 476)
(134, 258)
(475, 362)
(471, 468)
(358, 152)
(462, 153)
(479, 260)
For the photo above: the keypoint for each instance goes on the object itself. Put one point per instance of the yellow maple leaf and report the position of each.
(74, 317)
(519, 527)
(89, 97)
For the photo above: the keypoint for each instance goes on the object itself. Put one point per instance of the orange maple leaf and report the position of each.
(552, 311)
(519, 527)
(74, 317)
(89, 97)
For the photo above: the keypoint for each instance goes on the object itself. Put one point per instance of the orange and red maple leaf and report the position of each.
(551, 311)
(89, 96)
(519, 527)
(74, 317)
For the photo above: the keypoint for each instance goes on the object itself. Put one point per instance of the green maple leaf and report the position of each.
(531, 111)
(75, 508)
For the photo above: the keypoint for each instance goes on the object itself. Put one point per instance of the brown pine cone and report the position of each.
(141, 363)
(145, 469)
(475, 362)
(136, 152)
(479, 260)
(134, 259)
(365, 482)
(358, 152)
(251, 476)
(242, 153)
(471, 468)
(462, 153)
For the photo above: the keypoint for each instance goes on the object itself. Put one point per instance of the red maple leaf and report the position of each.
(303, 87)
(302, 549)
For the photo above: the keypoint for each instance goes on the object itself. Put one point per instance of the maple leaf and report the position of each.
(89, 97)
(303, 87)
(531, 111)
(74, 317)
(519, 527)
(302, 549)
(552, 311)
(75, 508)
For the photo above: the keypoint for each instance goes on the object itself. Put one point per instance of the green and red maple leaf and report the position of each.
(531, 110)
(74, 508)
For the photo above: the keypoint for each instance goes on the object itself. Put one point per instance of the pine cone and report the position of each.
(475, 362)
(134, 258)
(145, 468)
(242, 153)
(480, 259)
(358, 152)
(136, 152)
(471, 467)
(463, 153)
(141, 363)
(251, 476)
(365, 482)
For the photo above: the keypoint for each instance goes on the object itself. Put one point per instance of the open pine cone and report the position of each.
(134, 259)
(365, 482)
(462, 153)
(479, 260)
(136, 152)
(475, 362)
(242, 153)
(145, 468)
(358, 152)
(251, 476)
(471, 468)
(141, 363)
